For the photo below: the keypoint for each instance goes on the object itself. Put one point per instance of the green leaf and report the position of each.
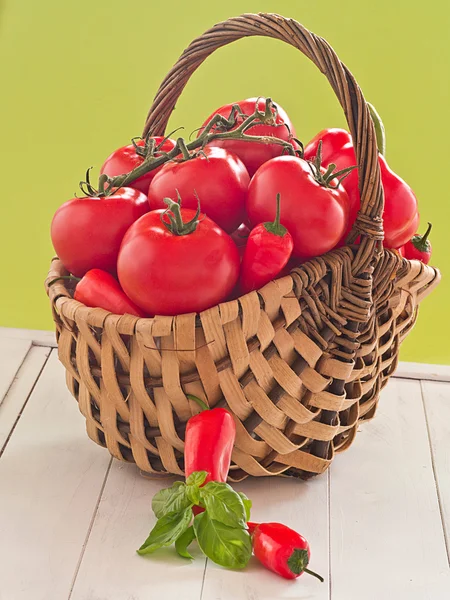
(167, 529)
(223, 504)
(184, 541)
(173, 499)
(197, 478)
(229, 547)
(247, 505)
(193, 493)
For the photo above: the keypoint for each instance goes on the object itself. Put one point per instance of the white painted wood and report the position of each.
(20, 390)
(437, 409)
(386, 533)
(111, 569)
(51, 475)
(12, 355)
(38, 337)
(302, 506)
(410, 370)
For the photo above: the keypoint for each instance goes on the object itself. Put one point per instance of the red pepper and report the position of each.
(209, 442)
(400, 204)
(418, 247)
(99, 289)
(281, 550)
(269, 247)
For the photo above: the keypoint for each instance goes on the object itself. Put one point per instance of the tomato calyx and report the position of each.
(326, 178)
(276, 227)
(298, 563)
(175, 223)
(421, 242)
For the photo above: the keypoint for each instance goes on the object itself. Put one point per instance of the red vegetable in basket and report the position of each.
(253, 155)
(209, 442)
(400, 217)
(315, 205)
(177, 261)
(267, 252)
(99, 289)
(281, 550)
(418, 247)
(125, 159)
(215, 176)
(87, 232)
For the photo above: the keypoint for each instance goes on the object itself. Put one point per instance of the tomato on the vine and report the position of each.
(87, 232)
(400, 216)
(253, 155)
(214, 176)
(177, 261)
(125, 159)
(314, 213)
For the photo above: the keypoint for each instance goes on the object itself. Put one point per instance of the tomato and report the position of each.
(400, 216)
(125, 159)
(217, 178)
(169, 274)
(87, 232)
(314, 215)
(253, 155)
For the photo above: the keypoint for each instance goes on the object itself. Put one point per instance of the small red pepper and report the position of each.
(269, 247)
(209, 442)
(99, 289)
(418, 247)
(281, 550)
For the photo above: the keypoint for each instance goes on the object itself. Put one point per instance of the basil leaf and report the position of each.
(223, 504)
(173, 499)
(193, 493)
(247, 505)
(229, 547)
(197, 478)
(184, 541)
(167, 529)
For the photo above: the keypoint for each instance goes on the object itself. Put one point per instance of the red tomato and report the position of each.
(87, 232)
(253, 155)
(167, 274)
(400, 217)
(125, 159)
(314, 215)
(218, 178)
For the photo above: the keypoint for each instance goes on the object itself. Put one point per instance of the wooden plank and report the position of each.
(302, 506)
(110, 567)
(12, 355)
(436, 398)
(38, 337)
(386, 531)
(422, 371)
(51, 475)
(20, 390)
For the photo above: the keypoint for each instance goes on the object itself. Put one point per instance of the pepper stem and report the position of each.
(276, 227)
(421, 242)
(380, 131)
(198, 401)
(176, 225)
(298, 562)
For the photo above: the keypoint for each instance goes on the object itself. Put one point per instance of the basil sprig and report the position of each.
(221, 530)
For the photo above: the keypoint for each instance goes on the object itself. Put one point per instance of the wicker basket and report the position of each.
(299, 363)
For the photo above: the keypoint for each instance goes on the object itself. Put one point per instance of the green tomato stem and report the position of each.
(380, 131)
(276, 227)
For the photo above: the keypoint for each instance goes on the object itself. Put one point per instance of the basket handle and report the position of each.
(369, 222)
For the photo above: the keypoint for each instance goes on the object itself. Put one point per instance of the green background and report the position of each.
(78, 76)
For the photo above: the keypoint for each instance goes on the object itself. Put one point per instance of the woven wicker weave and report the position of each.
(298, 363)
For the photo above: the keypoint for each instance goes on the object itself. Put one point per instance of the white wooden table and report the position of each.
(71, 518)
